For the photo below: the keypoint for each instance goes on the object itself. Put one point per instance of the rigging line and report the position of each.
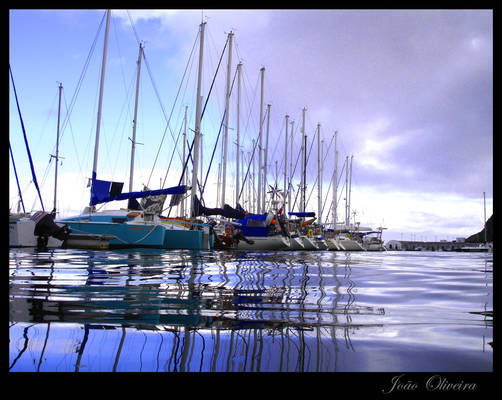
(17, 180)
(247, 172)
(202, 114)
(176, 98)
(47, 119)
(171, 159)
(214, 78)
(179, 132)
(216, 144)
(184, 169)
(26, 141)
(306, 163)
(81, 78)
(326, 197)
(247, 98)
(329, 186)
(133, 27)
(289, 186)
(72, 135)
(124, 109)
(207, 99)
(252, 157)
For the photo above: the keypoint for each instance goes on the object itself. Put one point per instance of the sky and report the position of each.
(409, 93)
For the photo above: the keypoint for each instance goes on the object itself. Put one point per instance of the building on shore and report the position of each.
(442, 245)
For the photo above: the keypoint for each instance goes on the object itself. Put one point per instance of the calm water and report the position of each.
(155, 310)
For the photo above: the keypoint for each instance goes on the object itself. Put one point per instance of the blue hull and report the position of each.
(180, 239)
(140, 235)
(125, 234)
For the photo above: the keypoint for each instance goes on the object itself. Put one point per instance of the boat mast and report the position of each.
(291, 167)
(197, 124)
(57, 148)
(285, 164)
(100, 104)
(253, 188)
(238, 144)
(484, 209)
(350, 187)
(227, 112)
(135, 120)
(260, 145)
(183, 182)
(266, 161)
(335, 186)
(319, 176)
(304, 159)
(347, 214)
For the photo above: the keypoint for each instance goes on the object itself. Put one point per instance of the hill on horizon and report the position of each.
(480, 236)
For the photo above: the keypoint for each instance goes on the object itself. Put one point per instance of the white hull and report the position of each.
(265, 243)
(333, 244)
(21, 234)
(375, 247)
(295, 243)
(321, 243)
(350, 245)
(309, 243)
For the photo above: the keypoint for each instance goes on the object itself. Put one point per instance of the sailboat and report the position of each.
(134, 228)
(35, 229)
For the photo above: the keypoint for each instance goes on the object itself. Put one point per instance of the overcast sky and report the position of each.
(410, 93)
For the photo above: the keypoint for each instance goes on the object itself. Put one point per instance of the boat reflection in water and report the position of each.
(237, 311)
(178, 311)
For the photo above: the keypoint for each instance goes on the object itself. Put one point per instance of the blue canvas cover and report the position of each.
(103, 192)
(303, 214)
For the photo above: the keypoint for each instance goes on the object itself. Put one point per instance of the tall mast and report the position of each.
(100, 104)
(290, 208)
(253, 189)
(135, 120)
(350, 185)
(57, 148)
(238, 148)
(183, 182)
(285, 164)
(484, 210)
(335, 186)
(227, 112)
(260, 145)
(265, 164)
(347, 207)
(197, 124)
(319, 176)
(304, 159)
(248, 182)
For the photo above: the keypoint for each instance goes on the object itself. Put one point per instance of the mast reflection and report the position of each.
(185, 312)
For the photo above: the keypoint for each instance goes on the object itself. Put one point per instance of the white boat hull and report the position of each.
(321, 243)
(375, 247)
(333, 244)
(295, 243)
(309, 243)
(21, 234)
(350, 245)
(265, 243)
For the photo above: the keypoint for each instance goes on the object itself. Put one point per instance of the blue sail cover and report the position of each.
(106, 191)
(254, 225)
(302, 214)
